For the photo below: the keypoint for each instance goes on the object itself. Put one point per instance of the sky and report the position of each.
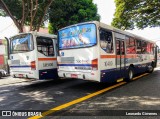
(106, 9)
(7, 27)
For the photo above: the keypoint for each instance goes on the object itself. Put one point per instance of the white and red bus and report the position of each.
(98, 52)
(33, 55)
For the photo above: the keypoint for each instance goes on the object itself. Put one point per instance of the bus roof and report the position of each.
(112, 29)
(39, 34)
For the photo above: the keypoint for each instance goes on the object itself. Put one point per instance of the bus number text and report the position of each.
(47, 64)
(108, 63)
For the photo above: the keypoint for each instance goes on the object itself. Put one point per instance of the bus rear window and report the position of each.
(77, 36)
(45, 46)
(21, 43)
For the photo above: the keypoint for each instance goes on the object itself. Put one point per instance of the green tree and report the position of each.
(67, 12)
(26, 12)
(136, 13)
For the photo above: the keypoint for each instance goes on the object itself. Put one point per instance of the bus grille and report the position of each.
(15, 62)
(67, 59)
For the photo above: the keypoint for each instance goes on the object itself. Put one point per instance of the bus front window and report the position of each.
(21, 43)
(79, 36)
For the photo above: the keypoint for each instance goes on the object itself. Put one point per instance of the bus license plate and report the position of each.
(74, 75)
(20, 75)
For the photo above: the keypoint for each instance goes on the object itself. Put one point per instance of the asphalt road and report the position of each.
(142, 94)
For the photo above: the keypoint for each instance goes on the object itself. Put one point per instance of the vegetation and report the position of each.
(26, 12)
(67, 12)
(136, 13)
(60, 13)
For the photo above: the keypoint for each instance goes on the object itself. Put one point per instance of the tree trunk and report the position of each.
(45, 10)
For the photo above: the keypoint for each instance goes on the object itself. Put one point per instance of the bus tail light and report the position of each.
(33, 65)
(95, 64)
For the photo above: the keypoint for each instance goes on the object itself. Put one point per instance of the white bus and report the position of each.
(33, 55)
(98, 52)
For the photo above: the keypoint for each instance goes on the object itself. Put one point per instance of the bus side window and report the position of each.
(45, 46)
(130, 44)
(144, 47)
(149, 48)
(139, 50)
(106, 41)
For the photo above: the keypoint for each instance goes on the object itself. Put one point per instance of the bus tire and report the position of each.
(130, 75)
(150, 68)
(14, 76)
(0, 75)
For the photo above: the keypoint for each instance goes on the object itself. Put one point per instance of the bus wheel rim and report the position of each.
(130, 74)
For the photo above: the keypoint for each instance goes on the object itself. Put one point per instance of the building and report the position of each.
(3, 54)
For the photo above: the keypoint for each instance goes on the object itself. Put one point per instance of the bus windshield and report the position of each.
(77, 36)
(21, 43)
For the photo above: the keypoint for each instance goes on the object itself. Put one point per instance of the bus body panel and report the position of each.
(112, 66)
(117, 52)
(115, 66)
(77, 59)
(21, 65)
(78, 65)
(47, 67)
(38, 63)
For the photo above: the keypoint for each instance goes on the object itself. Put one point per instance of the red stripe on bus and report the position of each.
(45, 59)
(118, 56)
(108, 56)
(131, 56)
(122, 56)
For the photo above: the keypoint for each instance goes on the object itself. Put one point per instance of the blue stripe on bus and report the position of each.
(21, 66)
(111, 75)
(74, 64)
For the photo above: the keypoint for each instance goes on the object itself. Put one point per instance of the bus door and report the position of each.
(120, 57)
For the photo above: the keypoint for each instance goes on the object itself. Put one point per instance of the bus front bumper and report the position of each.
(93, 76)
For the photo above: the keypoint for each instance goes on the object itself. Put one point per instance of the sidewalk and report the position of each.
(10, 80)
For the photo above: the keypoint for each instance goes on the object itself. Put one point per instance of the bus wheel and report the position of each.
(0, 75)
(130, 75)
(27, 77)
(14, 76)
(150, 68)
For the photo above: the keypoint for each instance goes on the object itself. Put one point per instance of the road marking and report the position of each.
(76, 101)
(82, 98)
(119, 80)
(140, 76)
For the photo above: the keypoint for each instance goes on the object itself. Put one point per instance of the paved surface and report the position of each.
(10, 80)
(142, 95)
(20, 94)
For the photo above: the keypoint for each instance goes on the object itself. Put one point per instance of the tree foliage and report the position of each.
(136, 13)
(26, 12)
(67, 12)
